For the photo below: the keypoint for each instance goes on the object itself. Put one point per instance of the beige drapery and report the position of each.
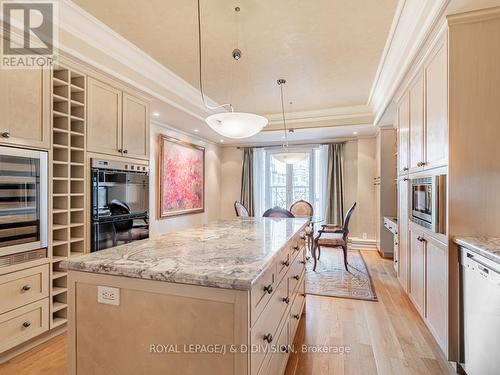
(246, 196)
(335, 184)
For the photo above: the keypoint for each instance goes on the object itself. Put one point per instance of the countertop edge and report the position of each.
(489, 247)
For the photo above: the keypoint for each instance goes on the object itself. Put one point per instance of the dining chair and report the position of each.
(333, 235)
(302, 208)
(240, 209)
(278, 212)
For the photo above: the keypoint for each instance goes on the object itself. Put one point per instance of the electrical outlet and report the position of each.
(108, 295)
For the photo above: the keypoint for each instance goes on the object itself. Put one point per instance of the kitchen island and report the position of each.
(224, 298)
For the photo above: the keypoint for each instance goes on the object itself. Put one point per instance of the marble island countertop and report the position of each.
(228, 254)
(489, 247)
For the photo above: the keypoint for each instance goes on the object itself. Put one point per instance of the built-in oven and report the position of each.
(428, 202)
(23, 204)
(120, 203)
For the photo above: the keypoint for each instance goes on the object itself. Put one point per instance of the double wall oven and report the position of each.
(23, 205)
(120, 202)
(428, 202)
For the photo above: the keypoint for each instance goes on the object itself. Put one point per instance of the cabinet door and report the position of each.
(403, 246)
(417, 270)
(104, 118)
(25, 107)
(403, 134)
(437, 291)
(417, 123)
(436, 89)
(135, 130)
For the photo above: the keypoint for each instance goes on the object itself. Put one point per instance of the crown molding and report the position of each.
(412, 26)
(183, 133)
(85, 27)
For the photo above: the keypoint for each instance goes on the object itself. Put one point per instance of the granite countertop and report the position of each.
(394, 219)
(489, 247)
(229, 254)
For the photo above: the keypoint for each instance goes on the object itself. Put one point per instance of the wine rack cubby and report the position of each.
(68, 181)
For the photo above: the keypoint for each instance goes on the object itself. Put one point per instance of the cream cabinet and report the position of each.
(436, 113)
(437, 290)
(117, 121)
(417, 123)
(403, 134)
(417, 269)
(25, 107)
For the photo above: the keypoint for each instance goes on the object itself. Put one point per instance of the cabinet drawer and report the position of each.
(267, 324)
(22, 324)
(297, 307)
(277, 361)
(297, 246)
(295, 272)
(262, 291)
(283, 263)
(23, 287)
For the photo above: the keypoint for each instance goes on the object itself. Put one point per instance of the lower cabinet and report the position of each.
(417, 270)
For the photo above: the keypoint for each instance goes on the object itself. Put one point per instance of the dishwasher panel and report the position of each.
(481, 314)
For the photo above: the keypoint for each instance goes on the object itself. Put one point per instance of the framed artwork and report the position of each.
(182, 178)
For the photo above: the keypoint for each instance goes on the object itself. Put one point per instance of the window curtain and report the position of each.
(259, 181)
(246, 197)
(320, 185)
(335, 184)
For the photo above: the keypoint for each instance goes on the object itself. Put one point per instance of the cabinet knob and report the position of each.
(286, 263)
(296, 316)
(296, 248)
(286, 300)
(26, 287)
(296, 277)
(421, 239)
(406, 169)
(125, 151)
(6, 134)
(26, 324)
(405, 179)
(120, 151)
(302, 262)
(268, 288)
(268, 338)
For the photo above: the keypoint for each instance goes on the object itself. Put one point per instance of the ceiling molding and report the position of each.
(413, 24)
(82, 25)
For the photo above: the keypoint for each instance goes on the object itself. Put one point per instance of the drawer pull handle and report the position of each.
(268, 338)
(26, 287)
(296, 316)
(296, 277)
(421, 239)
(302, 262)
(286, 263)
(303, 295)
(26, 324)
(286, 300)
(6, 134)
(296, 248)
(406, 169)
(268, 288)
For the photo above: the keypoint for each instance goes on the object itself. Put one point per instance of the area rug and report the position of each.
(331, 279)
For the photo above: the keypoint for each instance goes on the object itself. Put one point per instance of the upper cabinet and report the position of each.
(25, 107)
(117, 121)
(403, 134)
(436, 114)
(417, 123)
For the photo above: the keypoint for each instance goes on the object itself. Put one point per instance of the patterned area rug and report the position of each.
(331, 279)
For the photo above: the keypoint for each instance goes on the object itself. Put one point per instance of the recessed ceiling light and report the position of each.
(156, 114)
(196, 130)
(221, 141)
(355, 133)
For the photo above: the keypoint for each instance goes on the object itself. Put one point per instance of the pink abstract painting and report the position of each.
(181, 177)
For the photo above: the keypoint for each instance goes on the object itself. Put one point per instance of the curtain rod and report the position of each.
(295, 144)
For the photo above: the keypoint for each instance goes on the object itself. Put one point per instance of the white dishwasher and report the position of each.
(481, 314)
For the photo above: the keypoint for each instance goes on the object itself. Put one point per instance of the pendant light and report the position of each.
(231, 124)
(287, 156)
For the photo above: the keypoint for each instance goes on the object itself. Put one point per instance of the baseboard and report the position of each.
(24, 347)
(362, 244)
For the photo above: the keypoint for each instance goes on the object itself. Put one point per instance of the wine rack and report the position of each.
(68, 181)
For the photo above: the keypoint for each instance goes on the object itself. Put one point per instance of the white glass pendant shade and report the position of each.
(236, 124)
(290, 157)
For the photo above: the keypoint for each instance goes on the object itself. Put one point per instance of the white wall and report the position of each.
(212, 184)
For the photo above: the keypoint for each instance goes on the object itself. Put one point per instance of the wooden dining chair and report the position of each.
(302, 208)
(333, 235)
(241, 210)
(278, 212)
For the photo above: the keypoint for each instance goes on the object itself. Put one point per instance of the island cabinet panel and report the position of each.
(262, 291)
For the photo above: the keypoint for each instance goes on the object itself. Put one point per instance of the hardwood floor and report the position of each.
(385, 337)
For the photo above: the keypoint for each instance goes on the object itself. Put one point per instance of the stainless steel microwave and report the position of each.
(428, 202)
(23, 200)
